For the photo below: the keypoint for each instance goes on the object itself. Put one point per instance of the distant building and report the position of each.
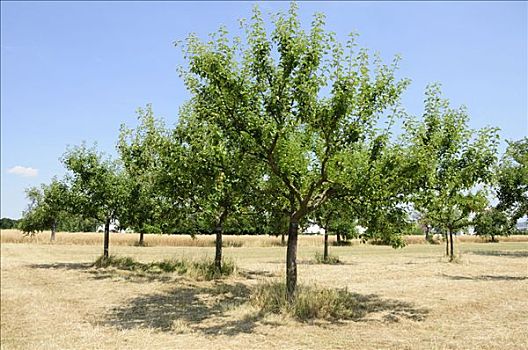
(314, 229)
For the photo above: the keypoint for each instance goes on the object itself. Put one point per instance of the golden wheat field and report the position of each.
(52, 297)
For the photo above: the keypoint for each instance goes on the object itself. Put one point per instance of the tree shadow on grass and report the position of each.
(505, 253)
(486, 278)
(108, 273)
(62, 266)
(251, 274)
(208, 310)
(389, 310)
(198, 308)
(205, 307)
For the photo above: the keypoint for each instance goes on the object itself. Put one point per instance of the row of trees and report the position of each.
(285, 128)
(7, 223)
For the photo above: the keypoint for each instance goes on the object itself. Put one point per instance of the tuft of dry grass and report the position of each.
(314, 302)
(203, 269)
(331, 259)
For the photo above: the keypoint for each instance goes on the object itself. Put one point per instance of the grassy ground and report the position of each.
(52, 298)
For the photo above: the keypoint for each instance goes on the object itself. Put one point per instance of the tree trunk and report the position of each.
(451, 251)
(338, 235)
(219, 228)
(291, 259)
(218, 250)
(53, 230)
(106, 238)
(427, 233)
(141, 239)
(325, 253)
(283, 239)
(447, 244)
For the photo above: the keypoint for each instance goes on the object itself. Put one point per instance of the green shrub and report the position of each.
(310, 302)
(390, 240)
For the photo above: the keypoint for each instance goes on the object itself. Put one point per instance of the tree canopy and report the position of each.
(454, 163)
(298, 102)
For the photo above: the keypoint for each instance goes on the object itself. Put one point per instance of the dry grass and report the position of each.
(52, 298)
(151, 240)
(154, 240)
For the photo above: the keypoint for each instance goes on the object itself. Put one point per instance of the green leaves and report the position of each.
(512, 180)
(98, 184)
(453, 163)
(274, 102)
(493, 222)
(48, 205)
(140, 151)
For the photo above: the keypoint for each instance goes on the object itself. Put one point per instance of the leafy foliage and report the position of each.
(145, 208)
(48, 205)
(7, 223)
(493, 222)
(454, 164)
(98, 185)
(512, 180)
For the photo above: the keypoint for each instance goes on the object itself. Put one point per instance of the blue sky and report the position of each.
(74, 71)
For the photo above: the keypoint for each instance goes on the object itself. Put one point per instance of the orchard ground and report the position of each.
(53, 298)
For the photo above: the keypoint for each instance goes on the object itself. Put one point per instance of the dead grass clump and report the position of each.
(232, 244)
(330, 260)
(204, 269)
(310, 302)
(123, 263)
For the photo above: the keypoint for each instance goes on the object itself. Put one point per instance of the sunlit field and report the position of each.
(89, 238)
(412, 298)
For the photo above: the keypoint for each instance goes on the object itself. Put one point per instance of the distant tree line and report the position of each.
(7, 223)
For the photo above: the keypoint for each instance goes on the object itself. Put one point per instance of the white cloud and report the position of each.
(23, 171)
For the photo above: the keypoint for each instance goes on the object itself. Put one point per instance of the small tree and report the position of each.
(335, 216)
(48, 205)
(98, 186)
(139, 152)
(381, 179)
(454, 165)
(491, 223)
(208, 181)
